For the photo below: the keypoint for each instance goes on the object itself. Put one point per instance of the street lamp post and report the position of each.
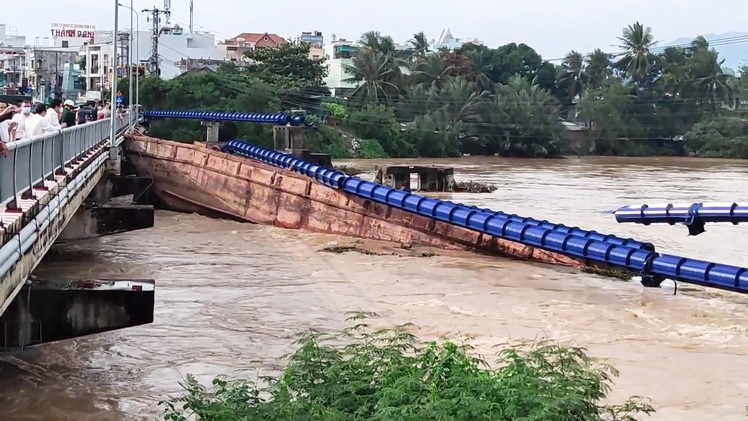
(137, 54)
(113, 100)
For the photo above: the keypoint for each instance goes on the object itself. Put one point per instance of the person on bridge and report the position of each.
(6, 113)
(38, 124)
(53, 114)
(67, 119)
(19, 132)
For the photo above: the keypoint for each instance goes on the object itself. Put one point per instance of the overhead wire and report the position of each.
(240, 89)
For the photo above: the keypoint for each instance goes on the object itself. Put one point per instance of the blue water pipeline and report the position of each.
(693, 215)
(277, 118)
(654, 267)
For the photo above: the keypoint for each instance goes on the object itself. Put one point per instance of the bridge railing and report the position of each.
(33, 160)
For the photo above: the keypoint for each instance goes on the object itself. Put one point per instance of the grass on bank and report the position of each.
(366, 374)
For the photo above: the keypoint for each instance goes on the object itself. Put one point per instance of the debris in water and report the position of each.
(623, 275)
(472, 186)
(348, 169)
(334, 247)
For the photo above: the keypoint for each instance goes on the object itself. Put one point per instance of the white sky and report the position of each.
(551, 27)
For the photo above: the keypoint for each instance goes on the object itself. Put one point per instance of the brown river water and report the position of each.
(231, 296)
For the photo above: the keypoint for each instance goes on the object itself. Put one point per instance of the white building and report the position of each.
(12, 57)
(174, 46)
(338, 55)
(448, 41)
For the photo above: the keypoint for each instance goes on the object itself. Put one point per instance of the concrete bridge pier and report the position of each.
(116, 204)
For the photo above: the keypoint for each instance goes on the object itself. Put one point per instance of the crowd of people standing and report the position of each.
(24, 120)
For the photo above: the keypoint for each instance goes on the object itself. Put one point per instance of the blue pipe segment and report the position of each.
(693, 215)
(280, 119)
(576, 231)
(654, 267)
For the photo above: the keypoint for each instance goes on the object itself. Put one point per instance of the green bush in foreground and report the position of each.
(361, 374)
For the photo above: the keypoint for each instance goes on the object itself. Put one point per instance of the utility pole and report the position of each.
(192, 17)
(123, 39)
(155, 19)
(113, 151)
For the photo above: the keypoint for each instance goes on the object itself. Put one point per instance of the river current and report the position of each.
(231, 296)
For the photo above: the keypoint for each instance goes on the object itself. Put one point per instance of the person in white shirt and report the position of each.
(37, 124)
(20, 120)
(53, 114)
(4, 131)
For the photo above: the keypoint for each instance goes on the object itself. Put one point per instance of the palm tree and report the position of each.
(599, 67)
(375, 41)
(459, 100)
(574, 76)
(708, 78)
(432, 70)
(637, 60)
(374, 71)
(527, 118)
(419, 44)
(674, 71)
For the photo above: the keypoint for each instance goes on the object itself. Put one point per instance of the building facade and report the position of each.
(12, 59)
(316, 44)
(338, 55)
(47, 68)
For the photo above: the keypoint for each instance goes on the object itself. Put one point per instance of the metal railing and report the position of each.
(31, 161)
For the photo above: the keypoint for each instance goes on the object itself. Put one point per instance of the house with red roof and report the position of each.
(234, 48)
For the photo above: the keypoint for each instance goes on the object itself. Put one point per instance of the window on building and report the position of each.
(94, 63)
(65, 44)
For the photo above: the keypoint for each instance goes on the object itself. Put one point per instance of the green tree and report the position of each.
(287, 60)
(367, 374)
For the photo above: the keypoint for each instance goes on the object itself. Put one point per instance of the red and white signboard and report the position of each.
(66, 30)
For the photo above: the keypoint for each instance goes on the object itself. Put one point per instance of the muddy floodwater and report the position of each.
(231, 296)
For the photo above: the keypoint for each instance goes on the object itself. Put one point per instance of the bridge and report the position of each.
(61, 186)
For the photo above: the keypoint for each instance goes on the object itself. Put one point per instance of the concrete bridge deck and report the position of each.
(43, 183)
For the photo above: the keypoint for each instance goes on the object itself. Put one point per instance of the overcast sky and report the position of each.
(552, 27)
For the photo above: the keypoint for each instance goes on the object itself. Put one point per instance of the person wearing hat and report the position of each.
(67, 119)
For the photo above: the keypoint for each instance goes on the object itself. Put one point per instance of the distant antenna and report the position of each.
(192, 16)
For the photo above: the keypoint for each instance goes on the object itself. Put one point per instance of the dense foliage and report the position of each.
(643, 100)
(363, 374)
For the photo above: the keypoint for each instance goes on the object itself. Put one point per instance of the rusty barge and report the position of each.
(201, 179)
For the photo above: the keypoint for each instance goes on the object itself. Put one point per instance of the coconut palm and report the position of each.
(636, 59)
(374, 73)
(710, 81)
(419, 44)
(431, 70)
(574, 77)
(599, 66)
(526, 116)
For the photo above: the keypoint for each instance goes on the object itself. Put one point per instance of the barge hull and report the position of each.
(199, 179)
